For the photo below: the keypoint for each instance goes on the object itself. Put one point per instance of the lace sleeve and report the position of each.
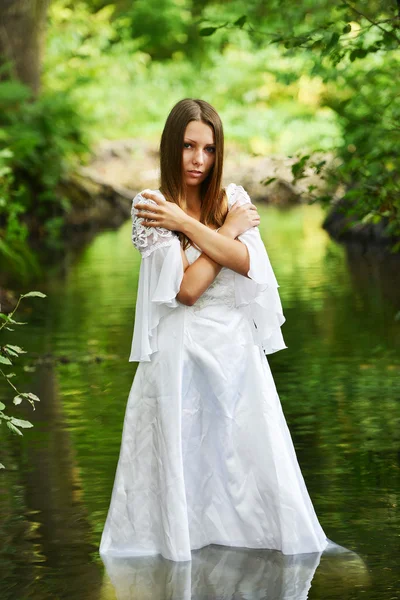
(237, 193)
(147, 239)
(257, 294)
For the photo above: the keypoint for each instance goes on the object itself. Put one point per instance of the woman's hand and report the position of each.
(240, 218)
(165, 214)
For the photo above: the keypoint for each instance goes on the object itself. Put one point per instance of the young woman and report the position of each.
(206, 455)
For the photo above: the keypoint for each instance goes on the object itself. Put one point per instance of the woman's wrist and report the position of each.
(225, 229)
(185, 225)
(228, 231)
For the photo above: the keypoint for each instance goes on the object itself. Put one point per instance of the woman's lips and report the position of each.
(195, 173)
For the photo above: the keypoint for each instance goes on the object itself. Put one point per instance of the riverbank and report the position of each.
(133, 165)
(344, 228)
(100, 195)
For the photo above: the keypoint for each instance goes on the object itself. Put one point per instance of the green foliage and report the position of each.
(310, 77)
(261, 110)
(8, 353)
(355, 52)
(37, 140)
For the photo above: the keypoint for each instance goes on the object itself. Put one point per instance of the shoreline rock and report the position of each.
(133, 165)
(344, 229)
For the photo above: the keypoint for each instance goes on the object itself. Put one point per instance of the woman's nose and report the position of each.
(198, 156)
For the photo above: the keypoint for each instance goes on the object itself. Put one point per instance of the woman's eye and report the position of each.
(210, 149)
(187, 145)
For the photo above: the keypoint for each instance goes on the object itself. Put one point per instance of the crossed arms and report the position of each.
(201, 273)
(219, 249)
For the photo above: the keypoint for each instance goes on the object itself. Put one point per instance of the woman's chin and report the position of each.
(193, 182)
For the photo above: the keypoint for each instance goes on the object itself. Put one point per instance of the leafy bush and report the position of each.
(123, 91)
(354, 50)
(8, 353)
(39, 139)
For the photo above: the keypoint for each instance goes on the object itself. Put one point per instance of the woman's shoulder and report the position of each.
(234, 193)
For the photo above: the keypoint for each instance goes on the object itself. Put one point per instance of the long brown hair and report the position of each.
(214, 204)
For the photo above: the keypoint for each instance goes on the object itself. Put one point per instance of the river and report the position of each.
(339, 384)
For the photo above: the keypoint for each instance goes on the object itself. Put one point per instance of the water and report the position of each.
(339, 386)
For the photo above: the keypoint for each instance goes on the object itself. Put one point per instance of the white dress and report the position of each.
(206, 456)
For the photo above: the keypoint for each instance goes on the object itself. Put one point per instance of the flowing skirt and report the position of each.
(206, 455)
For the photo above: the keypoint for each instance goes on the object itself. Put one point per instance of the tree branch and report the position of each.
(361, 14)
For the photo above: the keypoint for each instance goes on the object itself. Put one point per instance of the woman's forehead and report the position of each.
(200, 132)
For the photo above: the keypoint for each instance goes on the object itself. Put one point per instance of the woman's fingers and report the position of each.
(144, 214)
(140, 206)
(151, 196)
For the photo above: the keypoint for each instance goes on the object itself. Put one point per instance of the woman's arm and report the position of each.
(200, 274)
(225, 251)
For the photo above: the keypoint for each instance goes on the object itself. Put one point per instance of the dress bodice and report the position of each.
(255, 297)
(222, 289)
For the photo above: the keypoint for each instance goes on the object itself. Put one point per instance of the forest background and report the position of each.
(309, 78)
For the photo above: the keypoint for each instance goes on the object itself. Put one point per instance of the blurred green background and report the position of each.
(312, 85)
(288, 81)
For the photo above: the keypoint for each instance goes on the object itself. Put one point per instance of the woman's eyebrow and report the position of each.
(194, 141)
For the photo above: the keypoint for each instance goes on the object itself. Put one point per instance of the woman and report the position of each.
(206, 455)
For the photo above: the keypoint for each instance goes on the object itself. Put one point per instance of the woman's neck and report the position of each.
(193, 201)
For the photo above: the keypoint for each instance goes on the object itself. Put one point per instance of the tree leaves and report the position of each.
(21, 423)
(33, 294)
(11, 320)
(268, 181)
(12, 350)
(13, 428)
(32, 398)
(207, 31)
(240, 21)
(358, 53)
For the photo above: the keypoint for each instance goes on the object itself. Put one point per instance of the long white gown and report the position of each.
(206, 455)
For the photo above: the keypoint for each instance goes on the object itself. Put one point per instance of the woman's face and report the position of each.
(198, 152)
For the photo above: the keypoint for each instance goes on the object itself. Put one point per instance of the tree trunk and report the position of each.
(22, 24)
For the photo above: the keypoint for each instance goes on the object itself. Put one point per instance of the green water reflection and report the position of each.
(338, 382)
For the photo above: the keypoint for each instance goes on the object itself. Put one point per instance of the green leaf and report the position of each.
(357, 53)
(29, 395)
(268, 181)
(2, 406)
(333, 41)
(13, 428)
(10, 352)
(31, 294)
(21, 423)
(241, 21)
(17, 400)
(206, 31)
(17, 349)
(368, 218)
(2, 466)
(10, 320)
(4, 317)
(9, 375)
(347, 28)
(4, 360)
